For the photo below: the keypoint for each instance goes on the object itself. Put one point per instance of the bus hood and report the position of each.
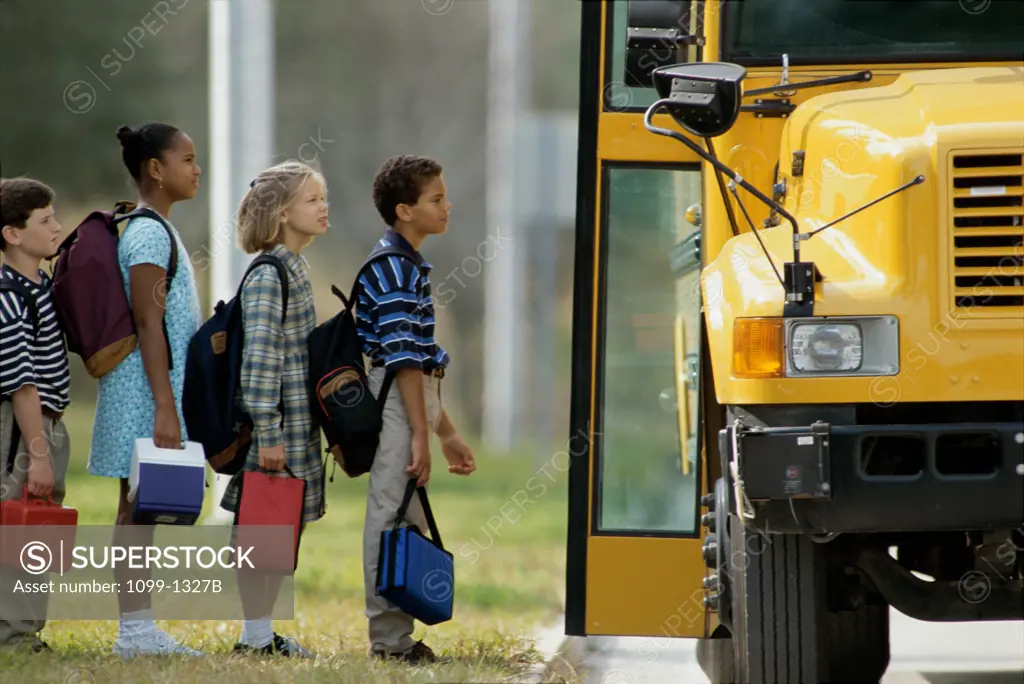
(963, 131)
(944, 257)
(933, 102)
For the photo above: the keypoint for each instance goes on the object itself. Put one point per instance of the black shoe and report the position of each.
(40, 646)
(279, 645)
(419, 654)
(25, 645)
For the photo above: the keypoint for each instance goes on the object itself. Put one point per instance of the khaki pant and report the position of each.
(390, 628)
(12, 484)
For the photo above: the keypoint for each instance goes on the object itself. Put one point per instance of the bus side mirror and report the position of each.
(657, 34)
(704, 98)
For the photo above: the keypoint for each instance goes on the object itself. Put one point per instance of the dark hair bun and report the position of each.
(148, 141)
(126, 135)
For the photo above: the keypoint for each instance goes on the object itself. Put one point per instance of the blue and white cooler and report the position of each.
(166, 486)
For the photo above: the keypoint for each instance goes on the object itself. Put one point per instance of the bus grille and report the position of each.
(988, 232)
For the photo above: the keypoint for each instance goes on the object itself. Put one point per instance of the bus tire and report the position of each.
(785, 632)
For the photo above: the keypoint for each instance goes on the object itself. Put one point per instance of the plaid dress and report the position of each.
(275, 367)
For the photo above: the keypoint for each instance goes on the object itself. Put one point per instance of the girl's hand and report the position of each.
(166, 428)
(272, 458)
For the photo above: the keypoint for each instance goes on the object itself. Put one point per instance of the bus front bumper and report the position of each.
(826, 478)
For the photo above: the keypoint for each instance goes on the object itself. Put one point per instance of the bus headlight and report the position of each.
(842, 346)
(825, 347)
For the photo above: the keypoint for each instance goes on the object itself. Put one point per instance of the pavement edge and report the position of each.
(561, 656)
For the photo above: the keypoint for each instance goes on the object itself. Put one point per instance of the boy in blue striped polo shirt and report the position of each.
(34, 385)
(395, 319)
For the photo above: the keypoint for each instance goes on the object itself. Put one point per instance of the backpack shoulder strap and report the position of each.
(172, 266)
(9, 285)
(353, 297)
(146, 212)
(282, 273)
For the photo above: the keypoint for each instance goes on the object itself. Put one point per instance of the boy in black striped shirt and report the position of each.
(34, 384)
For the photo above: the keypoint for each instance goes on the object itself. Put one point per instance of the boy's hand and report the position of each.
(459, 455)
(420, 468)
(272, 458)
(40, 477)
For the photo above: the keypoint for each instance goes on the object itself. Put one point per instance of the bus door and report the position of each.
(634, 562)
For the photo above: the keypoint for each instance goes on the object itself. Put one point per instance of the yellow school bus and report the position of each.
(798, 327)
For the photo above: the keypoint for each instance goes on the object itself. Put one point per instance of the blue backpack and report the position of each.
(213, 416)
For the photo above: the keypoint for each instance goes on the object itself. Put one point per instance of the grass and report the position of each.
(506, 531)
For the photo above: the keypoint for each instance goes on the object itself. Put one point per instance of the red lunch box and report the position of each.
(35, 533)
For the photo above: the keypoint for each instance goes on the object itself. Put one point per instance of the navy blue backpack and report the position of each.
(213, 416)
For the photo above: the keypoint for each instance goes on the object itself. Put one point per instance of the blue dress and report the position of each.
(125, 408)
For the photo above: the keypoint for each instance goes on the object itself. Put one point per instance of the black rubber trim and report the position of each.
(582, 330)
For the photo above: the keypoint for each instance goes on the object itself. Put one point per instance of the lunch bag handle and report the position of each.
(410, 487)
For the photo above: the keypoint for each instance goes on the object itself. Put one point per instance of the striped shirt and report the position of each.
(29, 356)
(395, 311)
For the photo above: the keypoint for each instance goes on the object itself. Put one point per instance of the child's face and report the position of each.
(307, 214)
(179, 170)
(430, 214)
(39, 238)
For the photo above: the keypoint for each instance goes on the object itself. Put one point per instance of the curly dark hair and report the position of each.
(400, 181)
(19, 197)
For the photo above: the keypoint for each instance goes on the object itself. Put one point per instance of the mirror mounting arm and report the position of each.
(799, 278)
(856, 77)
(735, 177)
(916, 181)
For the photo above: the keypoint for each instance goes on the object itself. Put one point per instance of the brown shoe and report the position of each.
(419, 654)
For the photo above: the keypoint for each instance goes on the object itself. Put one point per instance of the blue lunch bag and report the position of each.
(415, 573)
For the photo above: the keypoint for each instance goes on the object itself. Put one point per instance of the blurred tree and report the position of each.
(356, 82)
(380, 79)
(555, 41)
(72, 74)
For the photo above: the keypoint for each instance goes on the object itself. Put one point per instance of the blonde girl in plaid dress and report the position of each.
(284, 210)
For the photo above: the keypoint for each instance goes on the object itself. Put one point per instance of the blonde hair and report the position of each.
(270, 193)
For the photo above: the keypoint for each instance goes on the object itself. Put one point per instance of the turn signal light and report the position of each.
(757, 346)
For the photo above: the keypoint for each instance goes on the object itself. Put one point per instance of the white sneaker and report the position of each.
(154, 642)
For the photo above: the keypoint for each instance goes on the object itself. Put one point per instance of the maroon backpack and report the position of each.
(88, 290)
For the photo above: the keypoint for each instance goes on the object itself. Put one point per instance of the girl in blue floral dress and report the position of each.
(141, 396)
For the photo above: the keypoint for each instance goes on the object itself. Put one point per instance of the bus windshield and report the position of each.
(837, 31)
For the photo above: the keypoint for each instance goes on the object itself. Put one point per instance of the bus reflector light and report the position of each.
(758, 348)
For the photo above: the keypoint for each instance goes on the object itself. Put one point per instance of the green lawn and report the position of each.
(505, 526)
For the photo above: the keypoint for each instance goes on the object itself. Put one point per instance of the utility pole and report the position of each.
(221, 233)
(503, 319)
(241, 90)
(252, 95)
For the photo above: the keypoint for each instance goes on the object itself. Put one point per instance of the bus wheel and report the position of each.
(785, 632)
